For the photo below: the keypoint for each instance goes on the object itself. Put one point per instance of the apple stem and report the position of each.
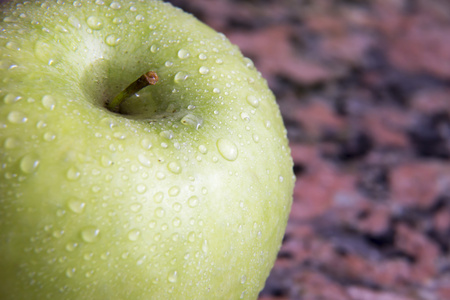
(149, 78)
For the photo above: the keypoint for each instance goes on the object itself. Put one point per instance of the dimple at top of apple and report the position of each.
(183, 195)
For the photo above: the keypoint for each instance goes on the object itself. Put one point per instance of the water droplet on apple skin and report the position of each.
(144, 160)
(94, 23)
(112, 40)
(11, 98)
(174, 191)
(29, 163)
(12, 142)
(172, 277)
(17, 117)
(253, 101)
(192, 120)
(160, 212)
(180, 77)
(90, 234)
(115, 5)
(76, 206)
(174, 167)
(73, 173)
(141, 188)
(227, 149)
(70, 272)
(203, 70)
(183, 54)
(134, 235)
(193, 201)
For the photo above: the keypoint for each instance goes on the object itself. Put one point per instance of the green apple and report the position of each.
(179, 190)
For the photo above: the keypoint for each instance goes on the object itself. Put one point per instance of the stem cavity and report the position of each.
(149, 78)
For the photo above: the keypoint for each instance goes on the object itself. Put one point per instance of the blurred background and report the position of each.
(364, 88)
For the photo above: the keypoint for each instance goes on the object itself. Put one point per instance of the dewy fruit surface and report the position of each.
(183, 194)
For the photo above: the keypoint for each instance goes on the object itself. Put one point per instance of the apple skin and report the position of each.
(184, 195)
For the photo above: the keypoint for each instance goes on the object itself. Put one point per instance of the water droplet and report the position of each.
(70, 272)
(134, 235)
(227, 149)
(172, 277)
(94, 23)
(120, 135)
(146, 143)
(12, 142)
(71, 246)
(160, 212)
(176, 222)
(158, 197)
(216, 90)
(117, 20)
(12, 46)
(49, 136)
(76, 205)
(74, 22)
(245, 117)
(11, 98)
(193, 201)
(205, 246)
(174, 191)
(177, 207)
(160, 176)
(141, 188)
(152, 224)
(202, 56)
(141, 260)
(174, 167)
(192, 120)
(90, 234)
(112, 40)
(73, 173)
(180, 77)
(41, 124)
(175, 237)
(267, 124)
(191, 236)
(167, 134)
(115, 5)
(255, 138)
(203, 70)
(253, 101)
(136, 207)
(105, 161)
(248, 63)
(219, 61)
(168, 63)
(202, 149)
(29, 163)
(17, 117)
(61, 29)
(182, 53)
(243, 279)
(144, 160)
(89, 274)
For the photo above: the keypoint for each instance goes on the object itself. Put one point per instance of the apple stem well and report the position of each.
(149, 78)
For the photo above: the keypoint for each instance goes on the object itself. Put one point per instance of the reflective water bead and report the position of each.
(182, 53)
